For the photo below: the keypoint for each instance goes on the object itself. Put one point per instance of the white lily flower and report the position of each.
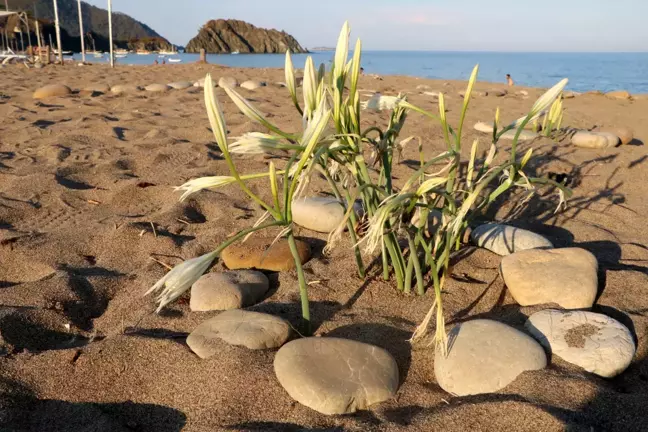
(215, 114)
(180, 279)
(543, 103)
(376, 231)
(202, 183)
(310, 87)
(341, 51)
(251, 112)
(196, 185)
(379, 102)
(291, 81)
(258, 143)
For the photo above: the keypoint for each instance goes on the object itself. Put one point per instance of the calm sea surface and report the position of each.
(586, 71)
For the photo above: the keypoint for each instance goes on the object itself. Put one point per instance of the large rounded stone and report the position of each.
(157, 88)
(485, 356)
(321, 214)
(252, 330)
(619, 94)
(228, 290)
(124, 88)
(594, 140)
(625, 135)
(488, 129)
(52, 90)
(252, 84)
(227, 81)
(180, 85)
(505, 239)
(567, 277)
(595, 342)
(201, 83)
(261, 253)
(336, 376)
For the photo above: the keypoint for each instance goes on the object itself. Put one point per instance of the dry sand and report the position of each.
(84, 179)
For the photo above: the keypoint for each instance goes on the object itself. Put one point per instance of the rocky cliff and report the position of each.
(226, 36)
(95, 21)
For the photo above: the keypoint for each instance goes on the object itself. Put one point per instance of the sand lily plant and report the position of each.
(181, 277)
(416, 226)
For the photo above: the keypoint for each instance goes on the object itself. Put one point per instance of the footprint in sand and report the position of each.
(17, 268)
(68, 178)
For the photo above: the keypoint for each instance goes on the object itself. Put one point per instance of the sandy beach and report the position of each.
(89, 217)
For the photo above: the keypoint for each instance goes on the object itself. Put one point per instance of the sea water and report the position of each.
(586, 71)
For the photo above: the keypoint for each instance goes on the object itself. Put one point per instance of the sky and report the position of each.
(450, 25)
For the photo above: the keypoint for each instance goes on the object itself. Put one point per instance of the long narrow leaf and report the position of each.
(291, 81)
(253, 113)
(341, 52)
(215, 114)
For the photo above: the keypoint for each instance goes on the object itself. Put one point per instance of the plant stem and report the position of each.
(303, 289)
(396, 259)
(420, 288)
(385, 262)
(408, 274)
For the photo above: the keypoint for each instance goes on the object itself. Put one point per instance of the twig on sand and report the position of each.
(95, 202)
(168, 267)
(154, 232)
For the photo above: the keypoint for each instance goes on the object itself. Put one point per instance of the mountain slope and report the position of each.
(225, 36)
(95, 20)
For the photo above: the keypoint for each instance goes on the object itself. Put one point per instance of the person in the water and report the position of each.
(509, 80)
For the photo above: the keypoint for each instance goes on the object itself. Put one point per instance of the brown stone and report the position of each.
(260, 253)
(626, 135)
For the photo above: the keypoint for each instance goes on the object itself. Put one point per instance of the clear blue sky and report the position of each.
(491, 25)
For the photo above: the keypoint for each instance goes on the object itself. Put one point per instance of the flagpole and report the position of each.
(112, 57)
(58, 32)
(82, 34)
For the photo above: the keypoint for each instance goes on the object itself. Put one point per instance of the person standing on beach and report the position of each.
(509, 80)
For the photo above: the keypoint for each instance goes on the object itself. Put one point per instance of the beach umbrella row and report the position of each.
(58, 31)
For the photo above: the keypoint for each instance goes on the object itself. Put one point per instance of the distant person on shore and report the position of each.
(156, 62)
(509, 80)
(361, 71)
